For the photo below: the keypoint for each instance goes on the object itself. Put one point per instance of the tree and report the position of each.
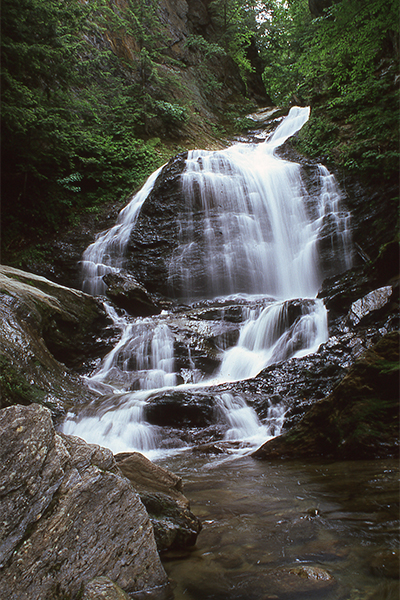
(343, 63)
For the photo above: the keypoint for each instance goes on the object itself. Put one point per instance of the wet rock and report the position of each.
(312, 573)
(70, 321)
(156, 232)
(175, 527)
(372, 302)
(340, 291)
(66, 520)
(125, 291)
(359, 419)
(46, 328)
(176, 408)
(146, 476)
(102, 588)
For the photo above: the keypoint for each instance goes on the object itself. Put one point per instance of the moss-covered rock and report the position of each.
(46, 329)
(359, 419)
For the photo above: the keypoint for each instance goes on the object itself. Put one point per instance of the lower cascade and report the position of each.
(248, 255)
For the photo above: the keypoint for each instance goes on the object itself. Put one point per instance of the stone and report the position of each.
(102, 588)
(313, 573)
(358, 420)
(175, 526)
(371, 302)
(68, 514)
(180, 409)
(125, 291)
(46, 329)
(69, 320)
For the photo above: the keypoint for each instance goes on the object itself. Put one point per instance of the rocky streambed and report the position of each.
(74, 513)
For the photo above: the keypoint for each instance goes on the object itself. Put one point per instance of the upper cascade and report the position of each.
(245, 224)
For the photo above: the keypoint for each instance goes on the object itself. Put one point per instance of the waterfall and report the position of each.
(271, 338)
(249, 230)
(106, 254)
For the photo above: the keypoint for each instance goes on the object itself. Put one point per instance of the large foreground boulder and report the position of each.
(358, 420)
(68, 515)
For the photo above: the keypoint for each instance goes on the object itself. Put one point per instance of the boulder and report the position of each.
(358, 420)
(175, 527)
(69, 516)
(46, 329)
(176, 408)
(69, 321)
(125, 291)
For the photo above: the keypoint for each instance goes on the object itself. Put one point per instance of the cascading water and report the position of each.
(106, 254)
(254, 234)
(248, 230)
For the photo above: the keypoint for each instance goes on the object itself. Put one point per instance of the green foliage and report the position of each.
(14, 388)
(74, 115)
(171, 113)
(345, 65)
(235, 26)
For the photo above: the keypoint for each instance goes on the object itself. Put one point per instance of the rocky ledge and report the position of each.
(47, 331)
(358, 420)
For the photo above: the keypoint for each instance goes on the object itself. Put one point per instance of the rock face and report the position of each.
(68, 514)
(359, 419)
(46, 328)
(156, 232)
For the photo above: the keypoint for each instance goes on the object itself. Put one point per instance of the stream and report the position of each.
(246, 273)
(264, 522)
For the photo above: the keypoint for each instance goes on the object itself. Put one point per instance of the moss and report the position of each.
(14, 388)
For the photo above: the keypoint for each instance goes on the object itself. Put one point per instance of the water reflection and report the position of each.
(267, 527)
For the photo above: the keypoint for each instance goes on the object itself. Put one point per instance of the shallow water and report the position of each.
(261, 521)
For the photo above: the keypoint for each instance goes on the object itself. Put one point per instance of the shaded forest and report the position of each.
(96, 95)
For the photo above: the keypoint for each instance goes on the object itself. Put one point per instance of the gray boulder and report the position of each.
(175, 526)
(45, 330)
(68, 515)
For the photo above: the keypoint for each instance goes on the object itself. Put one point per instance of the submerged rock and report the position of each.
(359, 419)
(68, 514)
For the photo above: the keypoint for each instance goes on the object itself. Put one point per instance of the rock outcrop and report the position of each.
(69, 515)
(358, 420)
(46, 330)
(126, 292)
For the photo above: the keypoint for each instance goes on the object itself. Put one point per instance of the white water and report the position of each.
(106, 254)
(256, 237)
